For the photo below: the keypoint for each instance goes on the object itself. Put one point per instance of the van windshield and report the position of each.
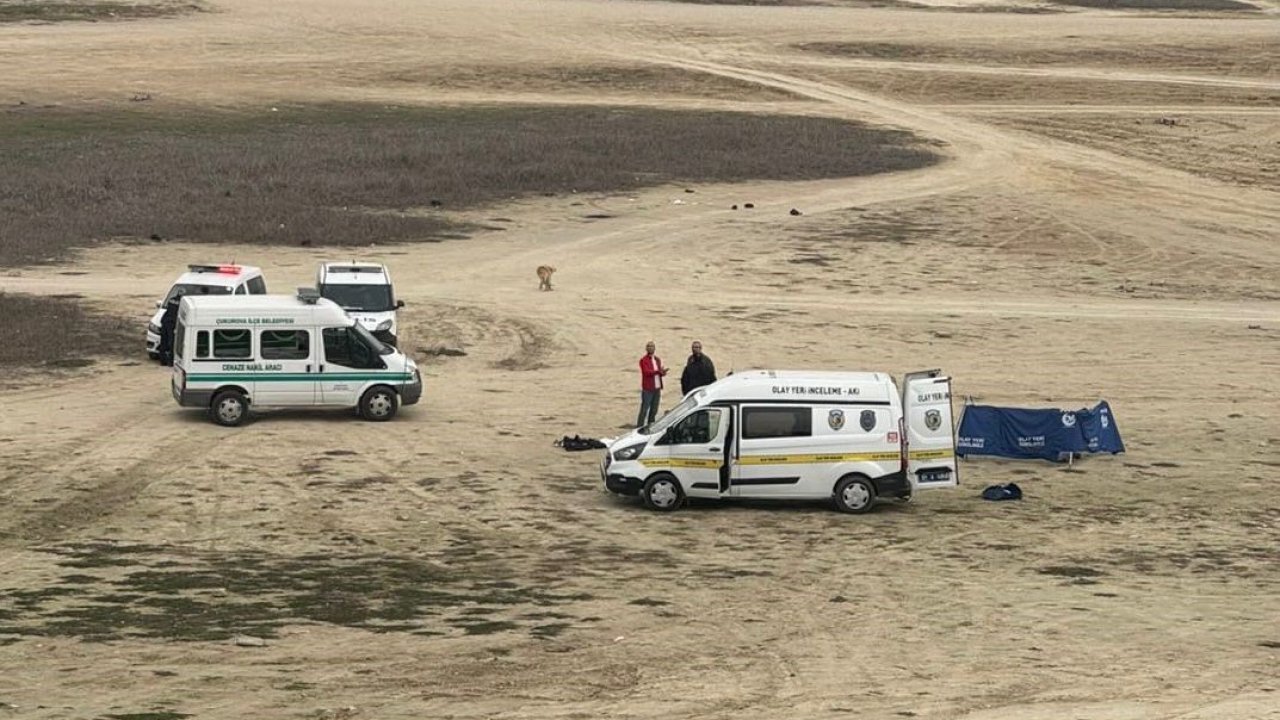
(672, 415)
(364, 298)
(370, 340)
(181, 289)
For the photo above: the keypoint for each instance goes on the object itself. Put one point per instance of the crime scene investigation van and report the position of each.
(770, 434)
(233, 352)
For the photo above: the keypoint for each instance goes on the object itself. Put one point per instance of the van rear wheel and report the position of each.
(229, 408)
(379, 404)
(662, 493)
(854, 494)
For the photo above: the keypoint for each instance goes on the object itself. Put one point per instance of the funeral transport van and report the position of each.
(232, 353)
(851, 437)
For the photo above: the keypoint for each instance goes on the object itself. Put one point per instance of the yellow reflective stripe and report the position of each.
(683, 463)
(931, 454)
(883, 456)
(818, 458)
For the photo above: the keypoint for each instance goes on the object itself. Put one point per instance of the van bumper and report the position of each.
(622, 485)
(411, 393)
(193, 398)
(893, 485)
(617, 482)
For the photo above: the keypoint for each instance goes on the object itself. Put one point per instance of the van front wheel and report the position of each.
(229, 408)
(379, 404)
(662, 493)
(854, 494)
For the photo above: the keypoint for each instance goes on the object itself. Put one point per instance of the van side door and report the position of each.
(694, 450)
(930, 431)
(771, 453)
(286, 356)
(346, 364)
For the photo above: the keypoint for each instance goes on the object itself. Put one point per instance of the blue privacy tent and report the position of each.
(1048, 434)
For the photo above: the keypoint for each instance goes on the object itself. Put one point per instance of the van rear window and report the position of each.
(179, 340)
(773, 422)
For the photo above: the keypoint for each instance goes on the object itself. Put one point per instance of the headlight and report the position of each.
(152, 327)
(384, 325)
(629, 453)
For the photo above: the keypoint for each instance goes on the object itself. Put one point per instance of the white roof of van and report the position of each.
(803, 385)
(354, 273)
(244, 306)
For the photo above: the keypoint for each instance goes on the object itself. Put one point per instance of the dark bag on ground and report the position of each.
(1002, 492)
(577, 443)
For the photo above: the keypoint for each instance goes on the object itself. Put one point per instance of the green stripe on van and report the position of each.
(299, 377)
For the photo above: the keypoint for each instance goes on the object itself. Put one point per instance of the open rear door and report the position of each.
(930, 430)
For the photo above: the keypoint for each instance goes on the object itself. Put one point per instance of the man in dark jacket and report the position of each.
(698, 371)
(168, 323)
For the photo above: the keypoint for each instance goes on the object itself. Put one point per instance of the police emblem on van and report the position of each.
(1068, 419)
(835, 419)
(932, 419)
(867, 420)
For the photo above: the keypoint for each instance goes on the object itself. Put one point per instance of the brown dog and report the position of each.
(544, 276)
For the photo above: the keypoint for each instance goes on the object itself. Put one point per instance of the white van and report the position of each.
(845, 436)
(207, 279)
(365, 291)
(232, 352)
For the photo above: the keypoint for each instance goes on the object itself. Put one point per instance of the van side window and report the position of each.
(179, 339)
(202, 344)
(232, 343)
(344, 347)
(285, 344)
(257, 286)
(699, 428)
(774, 422)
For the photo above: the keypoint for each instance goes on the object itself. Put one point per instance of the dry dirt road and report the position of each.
(453, 564)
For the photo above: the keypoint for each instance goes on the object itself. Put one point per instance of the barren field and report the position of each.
(1097, 217)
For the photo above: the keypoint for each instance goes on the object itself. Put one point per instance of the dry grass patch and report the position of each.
(904, 4)
(941, 87)
(48, 11)
(1160, 4)
(58, 332)
(1243, 57)
(608, 80)
(1239, 149)
(109, 592)
(356, 175)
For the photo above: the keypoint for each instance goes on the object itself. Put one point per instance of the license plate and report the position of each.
(935, 475)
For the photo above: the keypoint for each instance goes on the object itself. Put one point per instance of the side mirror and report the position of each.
(159, 304)
(399, 304)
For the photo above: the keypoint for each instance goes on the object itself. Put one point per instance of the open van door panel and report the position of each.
(930, 431)
(694, 451)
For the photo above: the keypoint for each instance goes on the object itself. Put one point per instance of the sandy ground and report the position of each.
(1062, 254)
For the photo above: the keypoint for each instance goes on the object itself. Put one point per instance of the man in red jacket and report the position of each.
(651, 372)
